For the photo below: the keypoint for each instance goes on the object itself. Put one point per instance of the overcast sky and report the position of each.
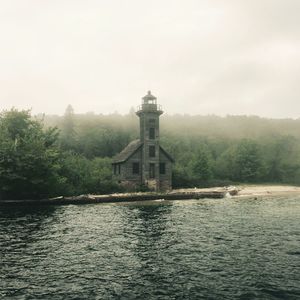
(197, 56)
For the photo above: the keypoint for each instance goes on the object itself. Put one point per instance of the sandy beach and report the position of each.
(249, 190)
(266, 190)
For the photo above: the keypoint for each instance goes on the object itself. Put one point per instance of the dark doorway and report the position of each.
(152, 171)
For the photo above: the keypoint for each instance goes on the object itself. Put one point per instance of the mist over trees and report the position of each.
(208, 150)
(46, 156)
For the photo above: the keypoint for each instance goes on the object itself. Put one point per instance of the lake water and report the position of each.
(195, 249)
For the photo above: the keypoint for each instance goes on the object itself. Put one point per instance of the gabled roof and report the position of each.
(129, 150)
(149, 96)
(167, 154)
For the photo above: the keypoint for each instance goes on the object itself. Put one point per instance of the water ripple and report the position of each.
(204, 249)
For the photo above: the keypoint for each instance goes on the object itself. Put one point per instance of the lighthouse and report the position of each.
(144, 162)
(149, 112)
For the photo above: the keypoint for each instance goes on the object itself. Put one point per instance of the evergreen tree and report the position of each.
(247, 162)
(201, 165)
(29, 159)
(68, 129)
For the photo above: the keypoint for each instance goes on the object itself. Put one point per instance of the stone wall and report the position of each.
(132, 181)
(165, 179)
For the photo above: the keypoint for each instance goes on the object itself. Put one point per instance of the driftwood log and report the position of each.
(129, 197)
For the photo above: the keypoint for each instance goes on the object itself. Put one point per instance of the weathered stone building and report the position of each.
(144, 161)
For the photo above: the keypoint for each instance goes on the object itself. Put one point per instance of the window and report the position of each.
(151, 133)
(135, 168)
(117, 169)
(151, 151)
(152, 171)
(152, 121)
(162, 168)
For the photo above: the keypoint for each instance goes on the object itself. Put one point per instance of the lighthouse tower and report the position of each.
(149, 112)
(143, 162)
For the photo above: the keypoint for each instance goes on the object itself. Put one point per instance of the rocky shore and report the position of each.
(240, 191)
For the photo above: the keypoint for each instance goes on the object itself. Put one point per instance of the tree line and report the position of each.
(47, 156)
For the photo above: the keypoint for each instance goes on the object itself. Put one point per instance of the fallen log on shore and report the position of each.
(116, 198)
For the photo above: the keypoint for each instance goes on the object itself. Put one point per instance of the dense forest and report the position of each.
(46, 156)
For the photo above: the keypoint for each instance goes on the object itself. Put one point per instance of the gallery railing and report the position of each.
(149, 107)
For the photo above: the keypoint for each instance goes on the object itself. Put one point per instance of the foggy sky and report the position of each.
(197, 56)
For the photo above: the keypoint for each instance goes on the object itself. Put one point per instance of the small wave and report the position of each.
(293, 252)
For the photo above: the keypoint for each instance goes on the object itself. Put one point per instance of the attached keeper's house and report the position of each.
(144, 161)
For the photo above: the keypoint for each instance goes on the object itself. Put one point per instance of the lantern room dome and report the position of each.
(149, 104)
(149, 98)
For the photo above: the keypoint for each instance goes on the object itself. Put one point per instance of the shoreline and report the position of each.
(248, 190)
(267, 190)
(239, 191)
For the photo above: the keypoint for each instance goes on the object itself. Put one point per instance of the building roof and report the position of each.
(149, 96)
(130, 149)
(167, 154)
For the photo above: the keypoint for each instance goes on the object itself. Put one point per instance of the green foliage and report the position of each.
(84, 176)
(281, 156)
(28, 157)
(240, 162)
(101, 142)
(247, 161)
(68, 129)
(201, 164)
(181, 177)
(36, 162)
(32, 165)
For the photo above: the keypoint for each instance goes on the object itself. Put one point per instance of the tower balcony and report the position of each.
(149, 107)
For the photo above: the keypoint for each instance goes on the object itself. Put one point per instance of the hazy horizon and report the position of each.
(165, 113)
(198, 57)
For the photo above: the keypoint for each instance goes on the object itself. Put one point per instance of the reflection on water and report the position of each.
(20, 224)
(204, 249)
